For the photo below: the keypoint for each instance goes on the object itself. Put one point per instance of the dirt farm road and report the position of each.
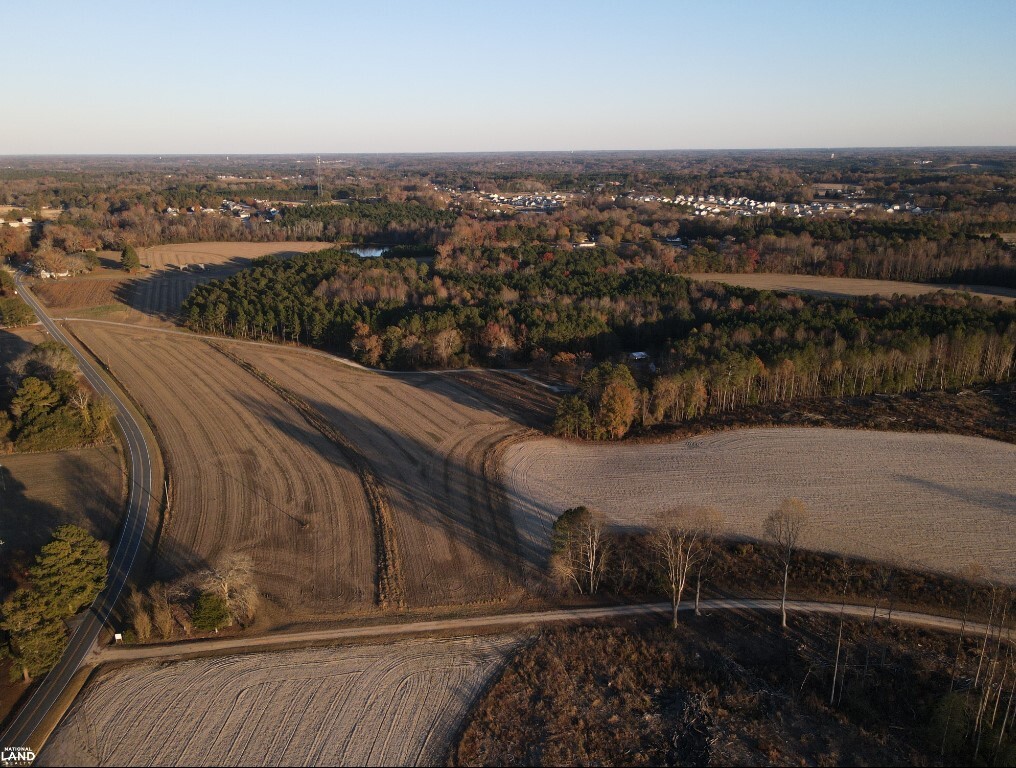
(121, 561)
(475, 623)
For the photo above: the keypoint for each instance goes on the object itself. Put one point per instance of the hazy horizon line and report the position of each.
(312, 153)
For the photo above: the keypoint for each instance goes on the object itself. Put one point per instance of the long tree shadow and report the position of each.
(994, 501)
(449, 512)
(27, 521)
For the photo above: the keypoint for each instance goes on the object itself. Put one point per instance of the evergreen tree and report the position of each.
(129, 259)
(70, 571)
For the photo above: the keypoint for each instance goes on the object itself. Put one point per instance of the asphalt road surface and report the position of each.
(86, 631)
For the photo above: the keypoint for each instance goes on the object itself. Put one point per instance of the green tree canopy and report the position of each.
(129, 259)
(211, 612)
(70, 571)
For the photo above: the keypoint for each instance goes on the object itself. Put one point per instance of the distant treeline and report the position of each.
(714, 347)
(923, 248)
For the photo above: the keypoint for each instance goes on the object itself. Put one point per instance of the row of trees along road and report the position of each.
(68, 574)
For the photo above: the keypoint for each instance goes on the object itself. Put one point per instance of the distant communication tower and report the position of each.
(319, 175)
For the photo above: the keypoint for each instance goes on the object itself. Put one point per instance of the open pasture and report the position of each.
(943, 502)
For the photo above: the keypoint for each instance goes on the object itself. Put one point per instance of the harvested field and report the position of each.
(86, 487)
(154, 296)
(79, 292)
(220, 254)
(397, 704)
(433, 442)
(937, 501)
(247, 474)
(844, 287)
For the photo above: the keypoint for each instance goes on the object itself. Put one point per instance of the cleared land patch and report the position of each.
(938, 501)
(80, 292)
(844, 287)
(397, 704)
(153, 297)
(247, 475)
(85, 487)
(221, 254)
(14, 342)
(433, 441)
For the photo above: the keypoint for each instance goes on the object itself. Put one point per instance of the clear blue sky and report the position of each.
(266, 77)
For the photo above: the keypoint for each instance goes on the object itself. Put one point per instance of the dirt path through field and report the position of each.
(938, 501)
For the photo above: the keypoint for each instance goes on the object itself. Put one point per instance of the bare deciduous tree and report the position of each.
(785, 527)
(140, 618)
(232, 577)
(162, 614)
(580, 548)
(680, 544)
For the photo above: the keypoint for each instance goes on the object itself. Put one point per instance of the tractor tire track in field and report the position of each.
(390, 586)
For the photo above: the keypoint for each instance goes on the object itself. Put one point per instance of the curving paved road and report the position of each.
(86, 632)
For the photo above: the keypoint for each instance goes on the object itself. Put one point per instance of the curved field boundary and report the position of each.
(249, 476)
(399, 703)
(936, 501)
(391, 591)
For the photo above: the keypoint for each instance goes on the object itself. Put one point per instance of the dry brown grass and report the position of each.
(220, 254)
(938, 501)
(248, 475)
(397, 704)
(83, 487)
(79, 293)
(844, 287)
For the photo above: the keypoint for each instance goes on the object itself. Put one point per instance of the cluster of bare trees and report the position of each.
(682, 547)
(939, 362)
(164, 610)
(980, 713)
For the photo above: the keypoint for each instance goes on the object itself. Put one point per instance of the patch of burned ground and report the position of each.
(727, 689)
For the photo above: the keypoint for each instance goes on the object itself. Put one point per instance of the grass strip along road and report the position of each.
(86, 632)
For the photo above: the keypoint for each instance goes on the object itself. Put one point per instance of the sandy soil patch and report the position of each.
(247, 474)
(844, 287)
(433, 440)
(938, 501)
(397, 704)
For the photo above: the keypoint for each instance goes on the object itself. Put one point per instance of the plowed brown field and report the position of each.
(938, 501)
(393, 704)
(434, 441)
(79, 292)
(247, 474)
